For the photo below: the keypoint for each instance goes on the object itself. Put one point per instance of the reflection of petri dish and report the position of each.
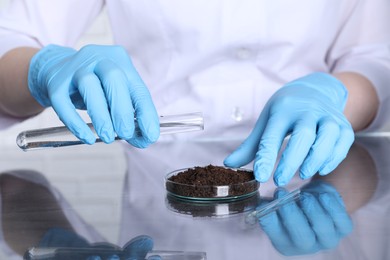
(212, 208)
(211, 192)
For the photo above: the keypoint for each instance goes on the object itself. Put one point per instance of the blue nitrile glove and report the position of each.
(100, 79)
(317, 221)
(311, 109)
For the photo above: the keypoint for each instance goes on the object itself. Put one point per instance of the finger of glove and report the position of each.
(138, 247)
(271, 140)
(66, 111)
(274, 229)
(296, 224)
(92, 257)
(340, 150)
(327, 135)
(115, 86)
(317, 187)
(147, 117)
(139, 141)
(296, 150)
(246, 152)
(154, 257)
(320, 221)
(94, 98)
(335, 209)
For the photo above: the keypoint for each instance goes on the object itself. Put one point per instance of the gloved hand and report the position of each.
(311, 109)
(316, 221)
(100, 79)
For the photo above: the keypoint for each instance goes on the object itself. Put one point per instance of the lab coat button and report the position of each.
(237, 114)
(243, 54)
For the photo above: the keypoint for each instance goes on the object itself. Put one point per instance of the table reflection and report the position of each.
(333, 216)
(315, 220)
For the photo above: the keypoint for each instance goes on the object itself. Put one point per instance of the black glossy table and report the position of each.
(343, 215)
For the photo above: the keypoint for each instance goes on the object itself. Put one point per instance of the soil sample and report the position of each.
(212, 182)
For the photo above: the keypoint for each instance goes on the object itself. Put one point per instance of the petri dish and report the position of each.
(212, 208)
(204, 192)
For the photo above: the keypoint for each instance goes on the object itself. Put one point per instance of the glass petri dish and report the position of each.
(212, 208)
(211, 192)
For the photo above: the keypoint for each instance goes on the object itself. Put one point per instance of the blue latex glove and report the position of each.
(317, 221)
(100, 79)
(311, 109)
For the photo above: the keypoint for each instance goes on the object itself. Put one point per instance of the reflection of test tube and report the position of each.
(253, 217)
(61, 136)
(43, 253)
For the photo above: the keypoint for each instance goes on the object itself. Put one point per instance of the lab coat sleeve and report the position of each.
(25, 23)
(38, 23)
(363, 46)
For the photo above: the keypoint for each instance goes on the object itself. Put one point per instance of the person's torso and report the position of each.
(225, 58)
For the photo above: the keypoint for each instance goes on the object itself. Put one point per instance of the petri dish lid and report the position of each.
(202, 192)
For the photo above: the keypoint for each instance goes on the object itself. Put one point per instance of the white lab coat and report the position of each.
(222, 57)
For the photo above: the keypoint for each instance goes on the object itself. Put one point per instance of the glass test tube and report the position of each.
(60, 136)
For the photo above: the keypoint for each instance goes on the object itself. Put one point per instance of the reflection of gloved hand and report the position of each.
(317, 221)
(58, 237)
(311, 109)
(102, 80)
(71, 246)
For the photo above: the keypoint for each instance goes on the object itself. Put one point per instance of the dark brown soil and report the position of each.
(200, 182)
(212, 175)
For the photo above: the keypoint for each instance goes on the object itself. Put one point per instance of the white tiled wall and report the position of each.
(64, 167)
